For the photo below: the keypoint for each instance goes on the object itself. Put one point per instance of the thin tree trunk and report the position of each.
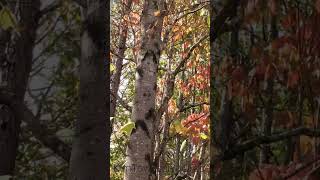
(177, 155)
(115, 82)
(90, 151)
(139, 160)
(178, 138)
(268, 111)
(162, 151)
(13, 85)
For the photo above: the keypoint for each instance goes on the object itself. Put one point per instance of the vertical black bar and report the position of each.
(211, 92)
(108, 59)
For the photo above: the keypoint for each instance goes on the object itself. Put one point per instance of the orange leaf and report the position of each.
(256, 52)
(177, 37)
(157, 13)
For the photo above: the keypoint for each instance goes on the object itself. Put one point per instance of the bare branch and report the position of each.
(123, 103)
(219, 25)
(184, 60)
(250, 144)
(192, 106)
(50, 8)
(42, 133)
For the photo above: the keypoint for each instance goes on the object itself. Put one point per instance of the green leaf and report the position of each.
(65, 134)
(183, 145)
(203, 136)
(127, 128)
(7, 19)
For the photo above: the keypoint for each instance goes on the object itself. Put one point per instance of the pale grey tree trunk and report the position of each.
(90, 151)
(15, 62)
(139, 160)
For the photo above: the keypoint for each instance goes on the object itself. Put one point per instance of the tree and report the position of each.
(15, 78)
(139, 162)
(90, 152)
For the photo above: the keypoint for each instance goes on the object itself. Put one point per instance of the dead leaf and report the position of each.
(157, 13)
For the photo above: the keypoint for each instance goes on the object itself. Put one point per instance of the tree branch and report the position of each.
(171, 77)
(123, 103)
(56, 4)
(184, 60)
(250, 144)
(192, 106)
(218, 23)
(41, 132)
(38, 130)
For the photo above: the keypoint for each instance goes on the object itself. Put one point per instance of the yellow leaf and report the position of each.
(306, 144)
(179, 128)
(112, 68)
(7, 19)
(203, 136)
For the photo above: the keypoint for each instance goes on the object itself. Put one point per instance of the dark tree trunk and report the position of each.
(90, 151)
(15, 69)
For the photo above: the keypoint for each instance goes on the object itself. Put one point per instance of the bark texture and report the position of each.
(90, 151)
(16, 58)
(139, 161)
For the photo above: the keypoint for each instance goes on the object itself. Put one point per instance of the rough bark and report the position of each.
(17, 69)
(139, 151)
(90, 151)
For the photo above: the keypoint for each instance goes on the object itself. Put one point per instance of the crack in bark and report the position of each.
(143, 126)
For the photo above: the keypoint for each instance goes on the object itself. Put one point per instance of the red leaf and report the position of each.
(195, 162)
(317, 5)
(238, 74)
(195, 140)
(293, 79)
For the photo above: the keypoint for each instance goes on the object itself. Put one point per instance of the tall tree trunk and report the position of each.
(217, 27)
(139, 151)
(13, 85)
(268, 111)
(162, 149)
(119, 61)
(90, 151)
